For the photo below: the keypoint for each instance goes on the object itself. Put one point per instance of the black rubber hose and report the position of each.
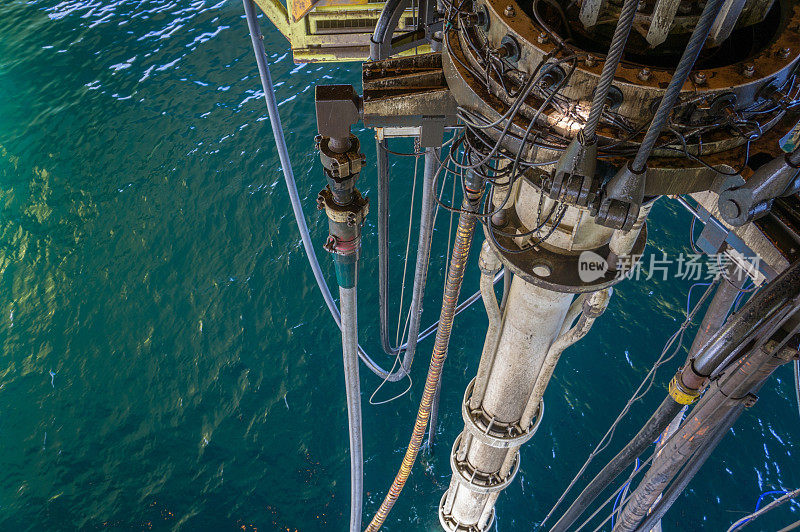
(382, 28)
(758, 311)
(679, 77)
(654, 426)
(689, 470)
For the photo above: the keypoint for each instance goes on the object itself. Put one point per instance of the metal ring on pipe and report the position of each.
(498, 440)
(451, 525)
(459, 473)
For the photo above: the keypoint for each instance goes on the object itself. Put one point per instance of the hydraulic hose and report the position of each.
(389, 17)
(382, 159)
(291, 185)
(688, 472)
(713, 320)
(758, 313)
(618, 41)
(759, 310)
(679, 77)
(725, 397)
(426, 220)
(423, 254)
(297, 208)
(721, 304)
(348, 300)
(644, 438)
(455, 277)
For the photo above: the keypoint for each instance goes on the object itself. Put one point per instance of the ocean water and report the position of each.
(167, 362)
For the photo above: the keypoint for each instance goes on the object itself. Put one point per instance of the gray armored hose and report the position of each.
(348, 324)
(348, 301)
(423, 255)
(291, 186)
(382, 159)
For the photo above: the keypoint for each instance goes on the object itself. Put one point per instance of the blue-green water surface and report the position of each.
(167, 362)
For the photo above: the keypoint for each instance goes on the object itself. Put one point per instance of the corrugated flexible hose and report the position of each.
(455, 277)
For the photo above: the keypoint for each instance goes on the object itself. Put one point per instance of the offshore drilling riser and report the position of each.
(560, 124)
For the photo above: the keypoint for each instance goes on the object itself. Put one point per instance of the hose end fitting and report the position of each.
(681, 393)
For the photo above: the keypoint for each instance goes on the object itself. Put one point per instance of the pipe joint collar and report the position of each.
(450, 524)
(479, 481)
(485, 429)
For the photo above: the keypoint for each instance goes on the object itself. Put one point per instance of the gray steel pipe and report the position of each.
(509, 367)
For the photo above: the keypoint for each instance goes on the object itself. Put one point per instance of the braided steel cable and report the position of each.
(613, 58)
(455, 277)
(679, 77)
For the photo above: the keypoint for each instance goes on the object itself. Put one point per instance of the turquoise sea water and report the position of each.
(167, 361)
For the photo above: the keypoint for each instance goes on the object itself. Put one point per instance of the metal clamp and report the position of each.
(341, 165)
(451, 525)
(337, 246)
(495, 434)
(478, 481)
(352, 214)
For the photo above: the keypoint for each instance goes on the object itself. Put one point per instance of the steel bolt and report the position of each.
(785, 53)
(590, 60)
(542, 38)
(644, 74)
(542, 270)
(509, 11)
(699, 78)
(749, 70)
